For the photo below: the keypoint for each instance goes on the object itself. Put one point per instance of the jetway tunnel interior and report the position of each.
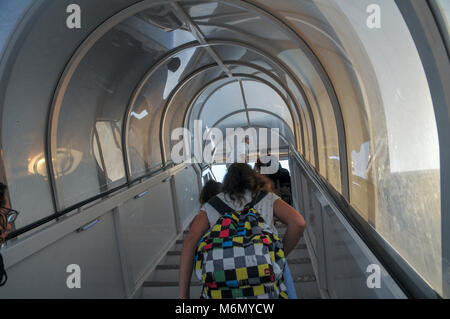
(89, 115)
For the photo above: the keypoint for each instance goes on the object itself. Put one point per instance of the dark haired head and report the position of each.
(211, 189)
(241, 177)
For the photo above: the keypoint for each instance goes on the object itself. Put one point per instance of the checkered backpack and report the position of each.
(240, 257)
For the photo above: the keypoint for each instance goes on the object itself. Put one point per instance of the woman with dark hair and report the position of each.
(241, 185)
(211, 189)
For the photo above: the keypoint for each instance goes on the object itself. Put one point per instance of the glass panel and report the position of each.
(245, 69)
(23, 152)
(179, 103)
(221, 143)
(259, 95)
(143, 150)
(143, 145)
(199, 103)
(234, 52)
(305, 120)
(209, 10)
(392, 140)
(149, 28)
(108, 149)
(443, 18)
(228, 99)
(24, 107)
(88, 157)
(86, 149)
(230, 52)
(245, 25)
(322, 111)
(267, 120)
(215, 109)
(219, 171)
(444, 7)
(235, 120)
(247, 31)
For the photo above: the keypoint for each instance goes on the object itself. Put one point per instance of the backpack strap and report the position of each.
(220, 206)
(259, 196)
(223, 208)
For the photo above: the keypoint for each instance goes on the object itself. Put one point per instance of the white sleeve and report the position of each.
(212, 214)
(272, 197)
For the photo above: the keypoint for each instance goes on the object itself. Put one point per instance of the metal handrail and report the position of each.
(77, 206)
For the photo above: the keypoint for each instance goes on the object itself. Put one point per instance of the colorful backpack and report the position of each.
(239, 257)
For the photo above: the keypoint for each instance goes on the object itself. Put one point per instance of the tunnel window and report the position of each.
(219, 171)
(226, 108)
(444, 7)
(183, 95)
(143, 146)
(144, 119)
(88, 129)
(214, 107)
(270, 101)
(107, 147)
(262, 119)
(226, 100)
(321, 110)
(245, 27)
(258, 58)
(255, 59)
(305, 120)
(441, 9)
(87, 124)
(198, 104)
(393, 148)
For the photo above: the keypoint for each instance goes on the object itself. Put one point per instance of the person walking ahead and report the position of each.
(241, 186)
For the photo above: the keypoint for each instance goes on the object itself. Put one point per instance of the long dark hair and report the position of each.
(241, 177)
(211, 188)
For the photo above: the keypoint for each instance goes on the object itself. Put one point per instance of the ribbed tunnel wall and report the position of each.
(90, 111)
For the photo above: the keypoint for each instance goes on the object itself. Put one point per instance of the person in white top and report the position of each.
(264, 207)
(240, 184)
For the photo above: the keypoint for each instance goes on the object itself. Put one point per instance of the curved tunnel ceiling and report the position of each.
(136, 70)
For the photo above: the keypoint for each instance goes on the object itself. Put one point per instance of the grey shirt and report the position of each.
(264, 207)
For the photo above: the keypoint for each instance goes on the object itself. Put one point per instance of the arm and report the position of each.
(199, 226)
(295, 224)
